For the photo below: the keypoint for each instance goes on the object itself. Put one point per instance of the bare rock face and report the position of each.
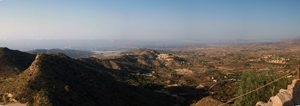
(7, 98)
(285, 97)
(202, 87)
(296, 92)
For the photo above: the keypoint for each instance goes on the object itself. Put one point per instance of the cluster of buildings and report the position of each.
(164, 56)
(280, 60)
(277, 61)
(255, 59)
(271, 59)
(267, 56)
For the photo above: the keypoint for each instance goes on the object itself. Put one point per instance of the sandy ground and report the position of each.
(14, 104)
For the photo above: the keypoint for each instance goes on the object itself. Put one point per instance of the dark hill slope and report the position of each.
(64, 82)
(68, 52)
(13, 62)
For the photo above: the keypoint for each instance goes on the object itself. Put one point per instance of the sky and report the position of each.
(149, 19)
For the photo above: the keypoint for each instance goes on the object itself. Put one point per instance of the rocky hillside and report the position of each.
(68, 52)
(13, 62)
(208, 101)
(60, 80)
(142, 60)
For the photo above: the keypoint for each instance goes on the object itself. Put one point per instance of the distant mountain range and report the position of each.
(106, 44)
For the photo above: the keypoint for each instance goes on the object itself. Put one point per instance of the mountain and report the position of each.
(149, 53)
(294, 41)
(13, 62)
(60, 80)
(134, 51)
(142, 60)
(277, 45)
(68, 52)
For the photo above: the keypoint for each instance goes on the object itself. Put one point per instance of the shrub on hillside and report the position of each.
(67, 88)
(30, 101)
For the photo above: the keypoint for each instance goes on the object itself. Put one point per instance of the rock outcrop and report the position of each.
(285, 97)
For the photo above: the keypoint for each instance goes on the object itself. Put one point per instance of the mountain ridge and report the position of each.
(67, 82)
(13, 62)
(69, 52)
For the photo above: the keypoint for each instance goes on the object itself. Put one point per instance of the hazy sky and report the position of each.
(149, 19)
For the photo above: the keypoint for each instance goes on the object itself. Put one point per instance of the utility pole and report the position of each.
(299, 73)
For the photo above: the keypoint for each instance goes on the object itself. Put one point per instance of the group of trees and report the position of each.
(143, 82)
(250, 81)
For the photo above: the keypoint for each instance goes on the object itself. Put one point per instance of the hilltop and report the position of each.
(13, 62)
(134, 51)
(60, 80)
(68, 52)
